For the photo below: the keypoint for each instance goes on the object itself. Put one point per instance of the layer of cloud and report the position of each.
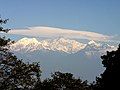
(57, 32)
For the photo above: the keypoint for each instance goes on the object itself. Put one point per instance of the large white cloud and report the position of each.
(58, 32)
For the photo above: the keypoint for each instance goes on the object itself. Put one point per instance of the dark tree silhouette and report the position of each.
(110, 79)
(62, 81)
(15, 74)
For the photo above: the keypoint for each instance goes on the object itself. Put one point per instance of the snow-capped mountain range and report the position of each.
(59, 45)
(63, 54)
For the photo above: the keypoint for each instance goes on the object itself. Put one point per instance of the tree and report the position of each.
(62, 81)
(14, 73)
(110, 79)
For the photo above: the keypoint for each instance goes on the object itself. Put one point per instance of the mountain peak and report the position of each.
(58, 44)
(92, 42)
(28, 40)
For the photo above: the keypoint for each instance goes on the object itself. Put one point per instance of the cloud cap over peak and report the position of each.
(58, 32)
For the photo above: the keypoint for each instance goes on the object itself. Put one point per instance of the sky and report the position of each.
(91, 19)
(101, 16)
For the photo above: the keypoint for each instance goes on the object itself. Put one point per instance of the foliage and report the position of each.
(62, 81)
(3, 22)
(15, 74)
(110, 79)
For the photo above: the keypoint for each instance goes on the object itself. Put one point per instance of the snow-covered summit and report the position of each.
(93, 43)
(59, 44)
(27, 40)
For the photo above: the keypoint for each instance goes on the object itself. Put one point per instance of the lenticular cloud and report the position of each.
(58, 32)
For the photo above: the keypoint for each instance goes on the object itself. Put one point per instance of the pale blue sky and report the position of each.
(102, 16)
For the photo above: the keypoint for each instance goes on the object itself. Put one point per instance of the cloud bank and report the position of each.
(58, 32)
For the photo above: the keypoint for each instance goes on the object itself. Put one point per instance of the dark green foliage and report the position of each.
(62, 81)
(110, 79)
(3, 22)
(15, 74)
(4, 42)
